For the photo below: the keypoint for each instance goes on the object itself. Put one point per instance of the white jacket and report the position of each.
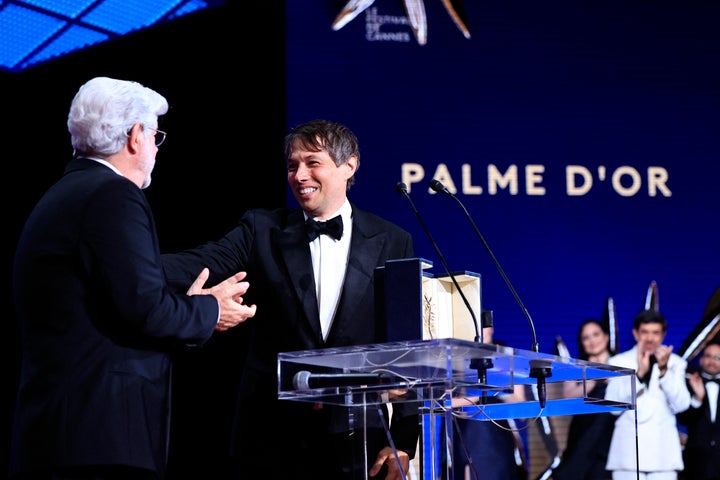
(658, 440)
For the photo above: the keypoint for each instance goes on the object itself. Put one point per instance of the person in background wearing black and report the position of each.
(314, 290)
(97, 320)
(589, 435)
(702, 448)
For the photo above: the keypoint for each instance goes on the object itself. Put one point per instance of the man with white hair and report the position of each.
(97, 319)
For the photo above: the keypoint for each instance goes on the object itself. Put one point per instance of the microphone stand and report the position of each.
(480, 364)
(539, 369)
(402, 189)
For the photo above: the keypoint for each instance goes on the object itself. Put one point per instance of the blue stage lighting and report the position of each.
(36, 31)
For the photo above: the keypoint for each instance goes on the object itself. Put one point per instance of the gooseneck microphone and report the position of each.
(440, 188)
(402, 189)
(537, 370)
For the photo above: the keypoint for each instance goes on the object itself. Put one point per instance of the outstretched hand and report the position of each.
(229, 294)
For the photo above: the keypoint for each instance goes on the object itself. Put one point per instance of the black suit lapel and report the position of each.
(366, 249)
(293, 246)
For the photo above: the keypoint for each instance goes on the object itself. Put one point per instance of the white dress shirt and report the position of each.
(329, 258)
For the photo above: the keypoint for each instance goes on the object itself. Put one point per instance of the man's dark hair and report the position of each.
(650, 316)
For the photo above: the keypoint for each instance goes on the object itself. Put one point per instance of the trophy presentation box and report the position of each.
(414, 304)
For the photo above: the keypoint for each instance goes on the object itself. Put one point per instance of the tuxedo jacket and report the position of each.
(702, 449)
(97, 321)
(272, 247)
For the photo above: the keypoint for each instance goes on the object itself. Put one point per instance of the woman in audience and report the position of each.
(589, 434)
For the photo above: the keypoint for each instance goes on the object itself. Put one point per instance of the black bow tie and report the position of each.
(333, 228)
(709, 379)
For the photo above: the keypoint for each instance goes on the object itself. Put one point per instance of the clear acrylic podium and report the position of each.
(449, 377)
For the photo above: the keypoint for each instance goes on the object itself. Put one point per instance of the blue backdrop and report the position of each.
(582, 137)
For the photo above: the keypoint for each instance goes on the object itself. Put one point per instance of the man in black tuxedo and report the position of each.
(702, 449)
(97, 320)
(313, 291)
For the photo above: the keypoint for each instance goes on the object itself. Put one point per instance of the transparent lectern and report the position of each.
(448, 377)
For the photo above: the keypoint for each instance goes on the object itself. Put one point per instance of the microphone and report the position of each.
(541, 370)
(483, 364)
(304, 380)
(538, 368)
(437, 186)
(402, 189)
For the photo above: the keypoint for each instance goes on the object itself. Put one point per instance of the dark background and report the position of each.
(222, 71)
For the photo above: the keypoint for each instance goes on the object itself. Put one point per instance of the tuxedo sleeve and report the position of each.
(405, 427)
(223, 257)
(121, 249)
